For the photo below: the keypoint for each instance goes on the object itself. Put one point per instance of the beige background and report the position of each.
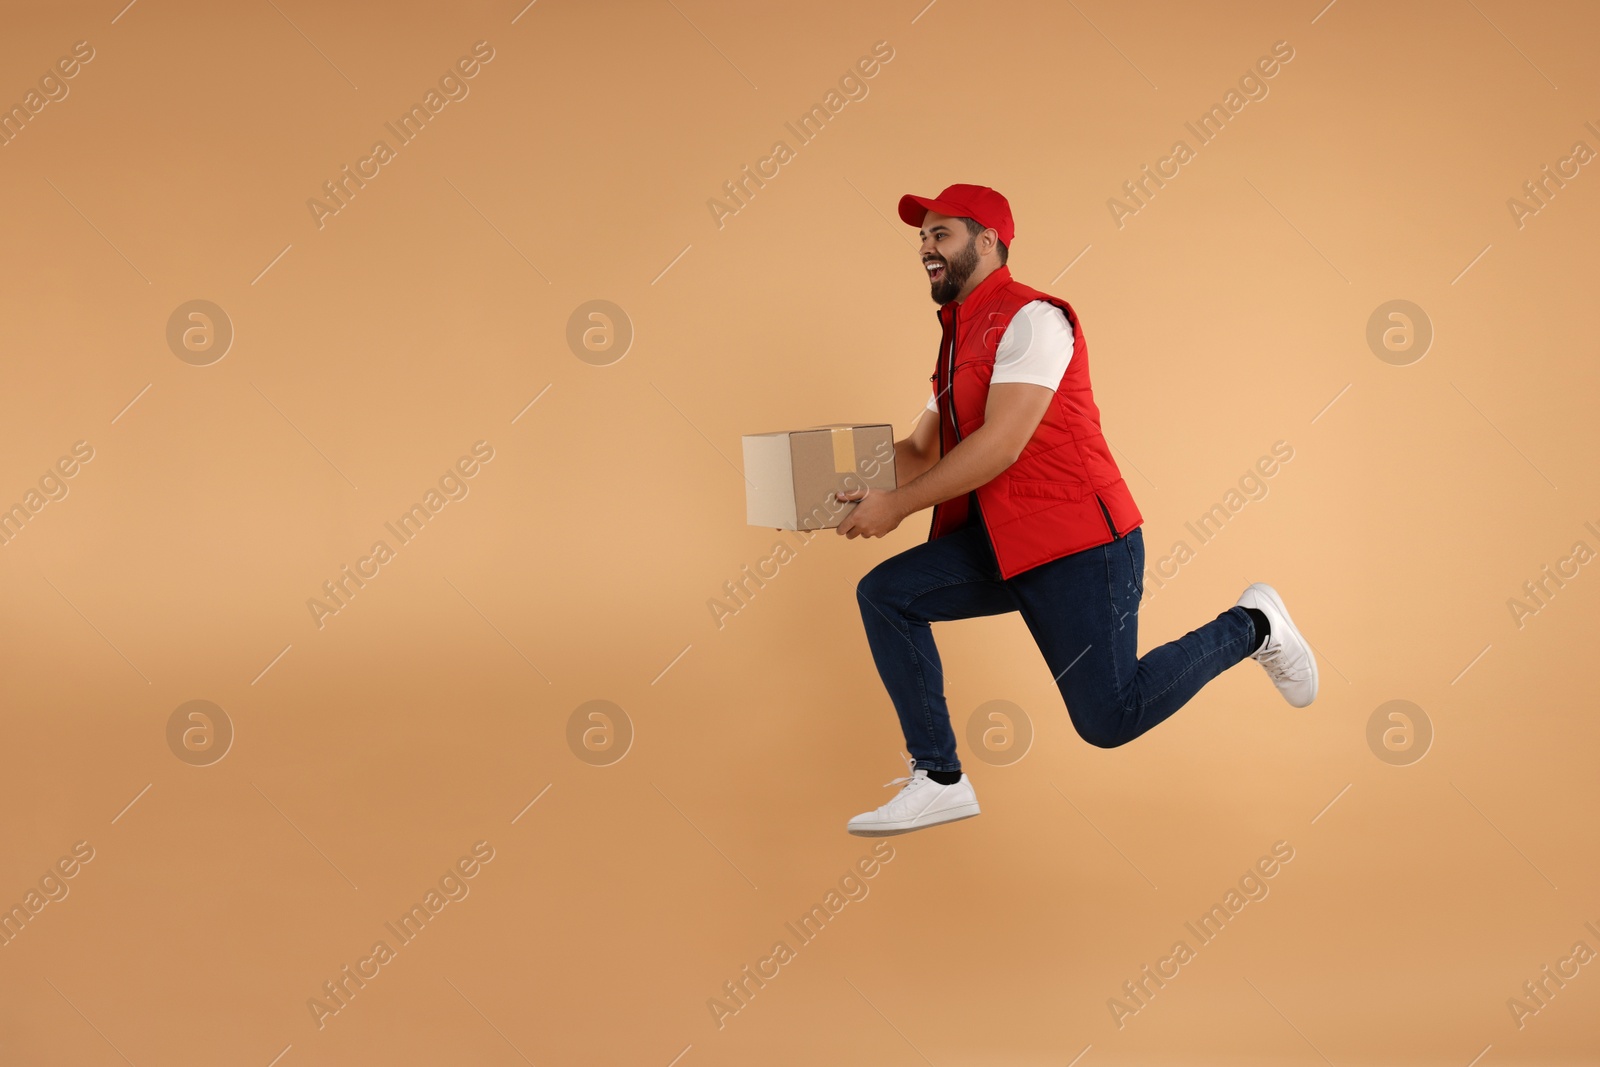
(1228, 314)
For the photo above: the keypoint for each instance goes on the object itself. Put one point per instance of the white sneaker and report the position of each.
(1287, 657)
(921, 803)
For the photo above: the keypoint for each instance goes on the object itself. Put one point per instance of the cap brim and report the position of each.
(913, 209)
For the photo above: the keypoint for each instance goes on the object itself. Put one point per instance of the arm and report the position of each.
(920, 451)
(1009, 419)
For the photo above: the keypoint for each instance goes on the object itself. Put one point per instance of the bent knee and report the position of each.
(876, 588)
(1103, 738)
(1101, 727)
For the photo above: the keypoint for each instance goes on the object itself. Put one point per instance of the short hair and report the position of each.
(974, 227)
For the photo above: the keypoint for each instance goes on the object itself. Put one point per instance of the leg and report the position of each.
(1083, 611)
(953, 577)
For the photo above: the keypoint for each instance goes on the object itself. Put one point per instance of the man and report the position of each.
(1030, 514)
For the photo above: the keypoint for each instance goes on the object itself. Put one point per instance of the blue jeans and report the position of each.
(1083, 612)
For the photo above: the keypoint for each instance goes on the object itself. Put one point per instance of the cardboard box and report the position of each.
(791, 475)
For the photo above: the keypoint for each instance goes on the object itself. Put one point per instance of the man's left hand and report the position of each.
(877, 512)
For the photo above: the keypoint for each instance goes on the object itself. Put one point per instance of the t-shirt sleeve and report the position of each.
(1036, 347)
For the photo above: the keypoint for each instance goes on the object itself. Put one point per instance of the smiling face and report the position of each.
(951, 257)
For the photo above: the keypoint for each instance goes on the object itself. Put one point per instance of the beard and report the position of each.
(956, 273)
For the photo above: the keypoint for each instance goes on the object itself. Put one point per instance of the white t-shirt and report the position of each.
(1036, 347)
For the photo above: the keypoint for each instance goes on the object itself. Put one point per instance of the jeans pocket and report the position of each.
(1122, 584)
(1135, 561)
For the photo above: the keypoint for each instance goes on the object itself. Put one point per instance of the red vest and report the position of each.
(1064, 493)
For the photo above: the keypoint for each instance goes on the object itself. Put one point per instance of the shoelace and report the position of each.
(908, 777)
(1280, 669)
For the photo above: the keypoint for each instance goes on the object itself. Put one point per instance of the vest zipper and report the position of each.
(949, 388)
(955, 421)
(950, 374)
(955, 424)
(1107, 513)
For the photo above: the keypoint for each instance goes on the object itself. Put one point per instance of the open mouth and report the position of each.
(935, 269)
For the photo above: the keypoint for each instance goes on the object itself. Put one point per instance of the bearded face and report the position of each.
(946, 275)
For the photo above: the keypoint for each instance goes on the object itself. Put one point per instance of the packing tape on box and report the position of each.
(844, 450)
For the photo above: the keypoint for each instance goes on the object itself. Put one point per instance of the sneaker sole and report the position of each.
(1277, 602)
(892, 829)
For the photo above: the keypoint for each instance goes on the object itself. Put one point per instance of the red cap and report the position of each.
(977, 202)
